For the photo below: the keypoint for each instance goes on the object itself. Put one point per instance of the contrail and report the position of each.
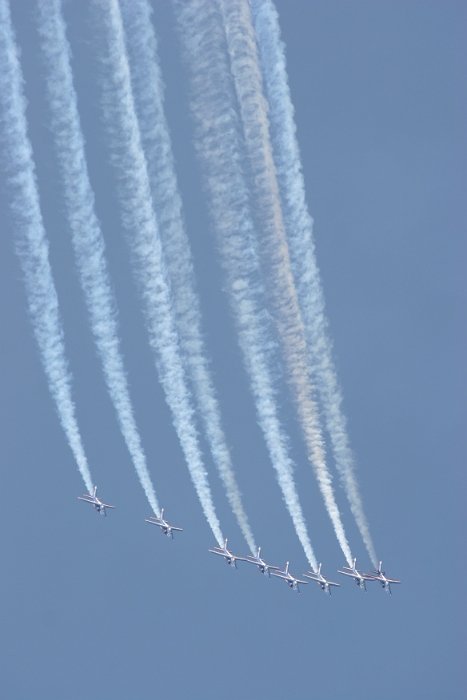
(299, 228)
(32, 244)
(148, 93)
(140, 223)
(217, 143)
(87, 237)
(244, 65)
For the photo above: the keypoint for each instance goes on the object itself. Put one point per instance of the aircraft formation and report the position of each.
(266, 569)
(265, 246)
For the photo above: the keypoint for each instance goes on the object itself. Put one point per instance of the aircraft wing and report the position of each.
(348, 573)
(263, 563)
(314, 577)
(222, 554)
(392, 580)
(255, 561)
(290, 578)
(280, 574)
(178, 529)
(106, 505)
(88, 499)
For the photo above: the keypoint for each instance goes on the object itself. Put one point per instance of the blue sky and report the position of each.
(380, 97)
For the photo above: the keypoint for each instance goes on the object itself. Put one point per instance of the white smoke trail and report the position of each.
(31, 241)
(148, 93)
(299, 228)
(253, 107)
(87, 237)
(217, 144)
(140, 222)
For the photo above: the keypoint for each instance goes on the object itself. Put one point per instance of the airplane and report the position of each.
(260, 563)
(357, 576)
(381, 577)
(290, 580)
(324, 584)
(96, 502)
(164, 525)
(230, 558)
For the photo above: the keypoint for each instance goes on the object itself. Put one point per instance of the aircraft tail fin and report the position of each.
(319, 570)
(380, 567)
(95, 491)
(259, 552)
(287, 568)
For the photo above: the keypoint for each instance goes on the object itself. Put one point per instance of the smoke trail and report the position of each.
(302, 251)
(88, 242)
(218, 147)
(32, 244)
(140, 222)
(253, 108)
(148, 95)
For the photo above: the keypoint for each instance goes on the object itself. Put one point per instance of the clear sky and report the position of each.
(110, 608)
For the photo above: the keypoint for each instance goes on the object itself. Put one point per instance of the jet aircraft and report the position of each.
(290, 580)
(230, 558)
(96, 502)
(323, 583)
(265, 569)
(357, 576)
(380, 576)
(164, 525)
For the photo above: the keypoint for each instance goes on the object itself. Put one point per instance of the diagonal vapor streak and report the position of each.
(140, 223)
(31, 241)
(88, 242)
(217, 144)
(244, 65)
(148, 93)
(299, 229)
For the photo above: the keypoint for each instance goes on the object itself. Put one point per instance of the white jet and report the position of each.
(230, 558)
(164, 525)
(323, 583)
(357, 576)
(96, 502)
(381, 577)
(290, 580)
(265, 569)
